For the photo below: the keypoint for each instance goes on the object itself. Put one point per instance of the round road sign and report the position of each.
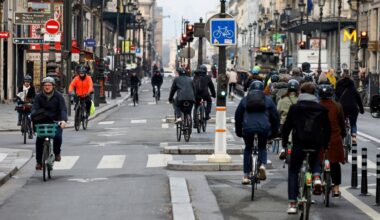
(52, 26)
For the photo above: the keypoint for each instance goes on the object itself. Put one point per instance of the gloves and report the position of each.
(239, 133)
(171, 100)
(139, 84)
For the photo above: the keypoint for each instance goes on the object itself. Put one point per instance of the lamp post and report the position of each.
(302, 8)
(321, 5)
(287, 11)
(138, 19)
(265, 20)
(355, 72)
(254, 26)
(260, 23)
(250, 26)
(117, 54)
(276, 15)
(338, 68)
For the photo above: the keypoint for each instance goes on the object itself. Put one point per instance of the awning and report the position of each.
(328, 25)
(111, 17)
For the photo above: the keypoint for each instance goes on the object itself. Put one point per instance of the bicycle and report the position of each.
(156, 94)
(81, 115)
(347, 142)
(326, 181)
(201, 117)
(47, 132)
(254, 178)
(26, 124)
(305, 187)
(134, 95)
(375, 106)
(185, 126)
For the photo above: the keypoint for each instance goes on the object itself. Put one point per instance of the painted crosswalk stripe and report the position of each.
(111, 161)
(370, 164)
(165, 125)
(158, 160)
(138, 121)
(106, 122)
(67, 162)
(2, 156)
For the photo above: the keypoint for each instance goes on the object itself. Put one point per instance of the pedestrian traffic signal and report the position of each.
(190, 32)
(222, 90)
(184, 40)
(179, 47)
(302, 44)
(363, 39)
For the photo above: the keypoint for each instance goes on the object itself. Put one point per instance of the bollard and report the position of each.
(364, 182)
(354, 173)
(378, 179)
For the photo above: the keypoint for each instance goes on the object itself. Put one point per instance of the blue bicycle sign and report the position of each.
(223, 31)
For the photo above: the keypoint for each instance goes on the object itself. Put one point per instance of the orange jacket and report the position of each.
(82, 87)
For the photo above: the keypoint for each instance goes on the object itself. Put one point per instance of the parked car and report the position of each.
(169, 73)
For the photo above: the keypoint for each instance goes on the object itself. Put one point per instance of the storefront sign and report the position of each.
(349, 36)
(37, 57)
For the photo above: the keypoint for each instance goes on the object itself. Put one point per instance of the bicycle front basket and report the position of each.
(46, 130)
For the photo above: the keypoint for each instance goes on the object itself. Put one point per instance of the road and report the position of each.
(115, 170)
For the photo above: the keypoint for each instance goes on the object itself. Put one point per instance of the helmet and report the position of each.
(293, 85)
(202, 69)
(256, 70)
(257, 85)
(273, 72)
(308, 78)
(275, 78)
(48, 80)
(27, 78)
(325, 91)
(305, 67)
(82, 69)
(181, 71)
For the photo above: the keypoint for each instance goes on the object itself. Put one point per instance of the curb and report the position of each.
(189, 150)
(13, 163)
(230, 120)
(191, 165)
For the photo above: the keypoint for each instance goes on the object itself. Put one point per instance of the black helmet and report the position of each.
(82, 69)
(293, 85)
(306, 67)
(275, 78)
(27, 78)
(202, 69)
(181, 71)
(325, 91)
(256, 85)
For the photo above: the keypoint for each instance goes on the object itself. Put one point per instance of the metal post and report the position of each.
(117, 55)
(200, 47)
(320, 40)
(378, 179)
(364, 182)
(80, 33)
(101, 80)
(354, 170)
(253, 48)
(355, 72)
(189, 59)
(250, 48)
(67, 38)
(51, 65)
(41, 59)
(220, 153)
(338, 68)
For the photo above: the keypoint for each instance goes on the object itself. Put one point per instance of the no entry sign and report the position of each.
(52, 26)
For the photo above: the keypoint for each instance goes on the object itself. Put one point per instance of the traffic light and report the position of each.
(363, 39)
(179, 47)
(190, 32)
(183, 40)
(222, 90)
(302, 44)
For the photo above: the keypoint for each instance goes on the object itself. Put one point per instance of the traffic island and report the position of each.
(196, 165)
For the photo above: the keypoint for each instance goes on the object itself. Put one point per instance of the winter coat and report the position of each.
(157, 79)
(55, 107)
(348, 97)
(335, 152)
(278, 90)
(134, 81)
(183, 85)
(30, 95)
(247, 123)
(284, 104)
(203, 85)
(307, 107)
(232, 77)
(82, 87)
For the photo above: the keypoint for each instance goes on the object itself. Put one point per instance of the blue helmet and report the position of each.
(257, 85)
(325, 91)
(256, 70)
(275, 78)
(82, 69)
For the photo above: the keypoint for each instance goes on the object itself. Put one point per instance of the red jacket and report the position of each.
(82, 87)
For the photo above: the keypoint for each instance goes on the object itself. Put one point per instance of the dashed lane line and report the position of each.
(106, 122)
(165, 125)
(111, 161)
(142, 121)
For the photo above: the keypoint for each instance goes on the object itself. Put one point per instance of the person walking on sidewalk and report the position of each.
(83, 86)
(310, 126)
(232, 80)
(256, 115)
(335, 153)
(49, 107)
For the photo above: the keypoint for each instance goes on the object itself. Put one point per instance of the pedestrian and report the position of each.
(232, 80)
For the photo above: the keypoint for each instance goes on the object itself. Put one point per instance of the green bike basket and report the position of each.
(46, 130)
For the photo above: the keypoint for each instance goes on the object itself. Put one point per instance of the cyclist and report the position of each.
(135, 83)
(203, 85)
(157, 80)
(283, 105)
(349, 98)
(183, 86)
(335, 153)
(232, 80)
(48, 107)
(26, 93)
(256, 114)
(253, 77)
(296, 74)
(309, 123)
(83, 86)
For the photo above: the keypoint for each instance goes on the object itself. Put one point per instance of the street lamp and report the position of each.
(338, 68)
(250, 26)
(355, 72)
(276, 15)
(254, 26)
(260, 23)
(321, 4)
(302, 7)
(287, 10)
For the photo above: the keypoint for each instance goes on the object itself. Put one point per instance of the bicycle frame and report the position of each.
(304, 188)
(255, 167)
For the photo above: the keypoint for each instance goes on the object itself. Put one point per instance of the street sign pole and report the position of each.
(220, 154)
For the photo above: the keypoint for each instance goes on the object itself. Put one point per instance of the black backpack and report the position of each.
(255, 101)
(308, 128)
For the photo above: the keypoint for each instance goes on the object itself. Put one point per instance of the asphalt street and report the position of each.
(115, 170)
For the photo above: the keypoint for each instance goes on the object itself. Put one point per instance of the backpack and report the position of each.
(308, 129)
(201, 86)
(256, 101)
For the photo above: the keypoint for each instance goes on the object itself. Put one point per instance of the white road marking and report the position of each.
(87, 180)
(103, 144)
(359, 204)
(111, 161)
(158, 160)
(369, 137)
(143, 121)
(67, 162)
(180, 199)
(370, 164)
(151, 103)
(145, 90)
(165, 125)
(202, 157)
(363, 139)
(2, 156)
(106, 122)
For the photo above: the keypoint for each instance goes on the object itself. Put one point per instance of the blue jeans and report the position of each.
(57, 142)
(262, 154)
(295, 163)
(353, 119)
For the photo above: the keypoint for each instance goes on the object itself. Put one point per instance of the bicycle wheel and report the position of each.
(77, 119)
(134, 98)
(326, 188)
(254, 178)
(187, 127)
(24, 127)
(199, 120)
(84, 119)
(45, 155)
(156, 94)
(204, 122)
(179, 130)
(307, 204)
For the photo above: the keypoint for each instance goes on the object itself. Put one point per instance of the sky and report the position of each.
(188, 9)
